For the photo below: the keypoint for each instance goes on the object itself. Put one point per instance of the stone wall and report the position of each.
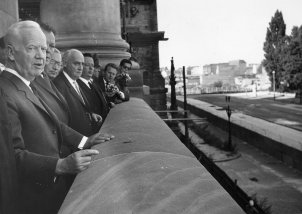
(143, 36)
(144, 169)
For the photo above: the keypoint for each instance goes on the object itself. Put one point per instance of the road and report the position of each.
(280, 110)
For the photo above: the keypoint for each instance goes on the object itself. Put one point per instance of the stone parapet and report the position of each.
(144, 169)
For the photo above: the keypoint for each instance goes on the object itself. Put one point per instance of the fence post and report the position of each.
(173, 83)
(185, 105)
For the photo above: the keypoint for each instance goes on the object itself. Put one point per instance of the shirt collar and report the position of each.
(42, 74)
(18, 75)
(69, 78)
(105, 81)
(85, 81)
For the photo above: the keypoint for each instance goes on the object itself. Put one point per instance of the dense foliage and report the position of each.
(283, 54)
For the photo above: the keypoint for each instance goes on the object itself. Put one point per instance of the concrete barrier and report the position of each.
(279, 141)
(145, 169)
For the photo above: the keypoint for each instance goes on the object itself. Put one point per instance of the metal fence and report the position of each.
(213, 90)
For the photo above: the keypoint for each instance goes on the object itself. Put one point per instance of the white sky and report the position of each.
(211, 31)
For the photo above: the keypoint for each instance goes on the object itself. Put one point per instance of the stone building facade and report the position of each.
(224, 72)
(140, 29)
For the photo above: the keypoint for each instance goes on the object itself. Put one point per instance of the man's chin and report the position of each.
(38, 71)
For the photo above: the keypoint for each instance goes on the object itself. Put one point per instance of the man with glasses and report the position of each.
(125, 66)
(46, 89)
(52, 69)
(122, 78)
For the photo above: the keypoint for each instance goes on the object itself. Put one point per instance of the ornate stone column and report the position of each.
(8, 16)
(92, 26)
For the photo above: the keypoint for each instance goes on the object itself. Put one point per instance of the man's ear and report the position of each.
(64, 63)
(10, 52)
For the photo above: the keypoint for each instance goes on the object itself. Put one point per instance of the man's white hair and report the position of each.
(67, 54)
(14, 30)
(55, 50)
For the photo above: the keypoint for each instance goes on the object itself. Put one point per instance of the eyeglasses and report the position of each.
(56, 63)
(126, 67)
(89, 65)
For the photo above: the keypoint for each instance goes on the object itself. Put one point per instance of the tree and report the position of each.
(273, 47)
(292, 61)
(218, 84)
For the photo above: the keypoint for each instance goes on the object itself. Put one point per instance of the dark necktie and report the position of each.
(90, 85)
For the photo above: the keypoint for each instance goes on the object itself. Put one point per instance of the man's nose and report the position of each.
(56, 66)
(40, 53)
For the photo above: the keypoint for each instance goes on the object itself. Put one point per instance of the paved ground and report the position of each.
(255, 171)
(258, 173)
(281, 111)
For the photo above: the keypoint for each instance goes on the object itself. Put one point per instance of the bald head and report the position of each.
(25, 45)
(73, 61)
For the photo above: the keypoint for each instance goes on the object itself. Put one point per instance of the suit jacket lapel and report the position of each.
(73, 91)
(102, 84)
(24, 89)
(83, 86)
(44, 83)
(60, 96)
(100, 93)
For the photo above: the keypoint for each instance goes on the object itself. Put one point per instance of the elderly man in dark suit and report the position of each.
(83, 119)
(37, 134)
(91, 90)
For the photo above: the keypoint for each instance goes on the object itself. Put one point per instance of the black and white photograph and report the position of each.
(150, 107)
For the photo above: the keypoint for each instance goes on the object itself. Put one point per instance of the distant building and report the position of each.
(254, 77)
(224, 72)
(197, 71)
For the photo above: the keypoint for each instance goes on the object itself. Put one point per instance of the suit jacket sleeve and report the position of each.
(8, 175)
(125, 90)
(30, 165)
(70, 137)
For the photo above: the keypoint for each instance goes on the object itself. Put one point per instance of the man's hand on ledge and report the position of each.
(76, 162)
(97, 138)
(111, 104)
(97, 118)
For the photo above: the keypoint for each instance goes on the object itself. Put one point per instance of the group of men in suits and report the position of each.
(47, 127)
